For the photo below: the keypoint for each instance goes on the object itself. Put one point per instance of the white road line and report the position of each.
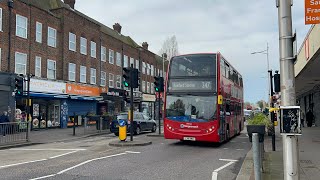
(62, 154)
(10, 165)
(133, 152)
(43, 177)
(83, 163)
(225, 148)
(239, 149)
(22, 149)
(215, 172)
(231, 160)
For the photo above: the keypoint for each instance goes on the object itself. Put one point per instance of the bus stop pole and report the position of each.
(287, 80)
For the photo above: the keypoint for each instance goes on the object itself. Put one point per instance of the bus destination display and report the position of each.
(184, 85)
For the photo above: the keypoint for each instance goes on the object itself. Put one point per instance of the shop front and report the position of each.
(113, 101)
(148, 105)
(81, 102)
(46, 103)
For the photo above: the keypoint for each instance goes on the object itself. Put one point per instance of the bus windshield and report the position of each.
(191, 108)
(193, 65)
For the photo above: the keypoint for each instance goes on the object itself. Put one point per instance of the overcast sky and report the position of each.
(234, 27)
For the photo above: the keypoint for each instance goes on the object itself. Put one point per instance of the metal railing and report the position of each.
(13, 132)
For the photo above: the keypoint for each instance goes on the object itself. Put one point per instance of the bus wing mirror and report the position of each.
(220, 99)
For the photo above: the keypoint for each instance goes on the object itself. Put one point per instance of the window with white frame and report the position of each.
(38, 32)
(144, 68)
(161, 73)
(52, 37)
(72, 72)
(143, 86)
(0, 19)
(125, 61)
(131, 62)
(83, 45)
(111, 56)
(111, 80)
(137, 64)
(118, 82)
(103, 78)
(152, 88)
(93, 49)
(93, 76)
(51, 69)
(152, 70)
(148, 69)
(83, 74)
(148, 87)
(72, 42)
(103, 54)
(37, 71)
(118, 62)
(20, 63)
(21, 26)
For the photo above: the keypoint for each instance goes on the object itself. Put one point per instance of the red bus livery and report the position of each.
(203, 99)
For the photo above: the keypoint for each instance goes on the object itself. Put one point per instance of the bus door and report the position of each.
(222, 128)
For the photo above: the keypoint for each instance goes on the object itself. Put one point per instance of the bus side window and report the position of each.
(227, 72)
(231, 74)
(228, 110)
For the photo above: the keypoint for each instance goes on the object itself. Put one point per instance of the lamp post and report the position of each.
(266, 51)
(164, 58)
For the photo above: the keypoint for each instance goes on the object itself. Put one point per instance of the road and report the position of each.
(93, 158)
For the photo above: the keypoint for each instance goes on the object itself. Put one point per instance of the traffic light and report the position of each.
(276, 79)
(158, 84)
(18, 86)
(135, 78)
(126, 77)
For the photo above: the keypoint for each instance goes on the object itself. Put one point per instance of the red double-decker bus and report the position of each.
(203, 99)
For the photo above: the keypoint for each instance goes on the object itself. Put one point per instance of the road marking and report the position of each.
(231, 160)
(43, 177)
(28, 162)
(10, 165)
(239, 149)
(62, 154)
(22, 149)
(225, 148)
(85, 162)
(244, 142)
(215, 172)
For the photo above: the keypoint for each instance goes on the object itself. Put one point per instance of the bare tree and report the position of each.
(170, 47)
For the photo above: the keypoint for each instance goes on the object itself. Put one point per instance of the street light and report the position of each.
(164, 58)
(266, 51)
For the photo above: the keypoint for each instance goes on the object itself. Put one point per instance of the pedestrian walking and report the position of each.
(310, 118)
(4, 119)
(302, 118)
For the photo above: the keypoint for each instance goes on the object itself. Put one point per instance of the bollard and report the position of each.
(28, 130)
(256, 156)
(74, 124)
(100, 129)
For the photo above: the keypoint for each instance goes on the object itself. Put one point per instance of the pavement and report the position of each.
(309, 159)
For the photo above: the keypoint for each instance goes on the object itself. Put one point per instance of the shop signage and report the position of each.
(37, 85)
(115, 92)
(148, 97)
(312, 11)
(82, 90)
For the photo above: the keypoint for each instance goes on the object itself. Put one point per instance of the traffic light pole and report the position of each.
(272, 114)
(131, 103)
(159, 104)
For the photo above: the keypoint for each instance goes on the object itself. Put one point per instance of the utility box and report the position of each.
(290, 122)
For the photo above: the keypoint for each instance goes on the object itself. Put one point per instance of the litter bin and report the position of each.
(122, 130)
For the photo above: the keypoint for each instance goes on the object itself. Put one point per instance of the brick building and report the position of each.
(76, 62)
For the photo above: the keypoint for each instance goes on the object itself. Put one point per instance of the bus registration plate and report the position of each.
(189, 138)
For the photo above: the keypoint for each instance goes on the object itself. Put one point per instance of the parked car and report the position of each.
(141, 122)
(247, 114)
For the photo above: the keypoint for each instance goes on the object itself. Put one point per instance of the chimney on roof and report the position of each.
(117, 27)
(145, 45)
(70, 3)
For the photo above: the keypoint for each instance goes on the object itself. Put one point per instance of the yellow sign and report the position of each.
(275, 123)
(273, 109)
(220, 99)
